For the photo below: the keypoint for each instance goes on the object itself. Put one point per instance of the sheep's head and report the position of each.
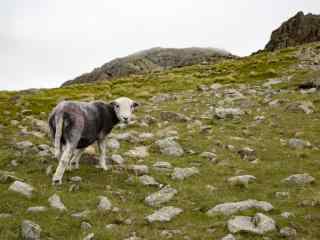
(124, 108)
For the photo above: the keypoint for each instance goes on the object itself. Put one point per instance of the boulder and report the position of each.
(164, 214)
(168, 146)
(173, 117)
(162, 196)
(22, 188)
(183, 173)
(104, 204)
(30, 230)
(299, 179)
(242, 180)
(55, 202)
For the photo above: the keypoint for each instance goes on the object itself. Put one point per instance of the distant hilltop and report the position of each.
(151, 60)
(299, 29)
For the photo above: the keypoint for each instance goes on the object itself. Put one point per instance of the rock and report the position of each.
(271, 82)
(145, 136)
(299, 29)
(167, 132)
(148, 181)
(216, 86)
(259, 224)
(76, 179)
(288, 232)
(241, 180)
(104, 204)
(224, 113)
(303, 106)
(163, 98)
(55, 202)
(8, 177)
(37, 209)
(299, 144)
(5, 215)
(164, 214)
(139, 169)
(14, 122)
(83, 214)
(247, 153)
(24, 144)
(209, 155)
(138, 152)
(14, 163)
(282, 194)
(113, 144)
(299, 179)
(90, 236)
(287, 215)
(234, 207)
(85, 226)
(111, 226)
(162, 166)
(116, 158)
(228, 237)
(30, 230)
(169, 147)
(162, 196)
(173, 117)
(22, 188)
(183, 173)
(40, 125)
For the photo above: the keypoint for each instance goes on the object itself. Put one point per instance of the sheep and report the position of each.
(76, 125)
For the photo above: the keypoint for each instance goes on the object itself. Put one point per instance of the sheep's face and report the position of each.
(124, 108)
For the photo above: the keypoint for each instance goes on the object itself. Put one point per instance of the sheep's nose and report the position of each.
(125, 119)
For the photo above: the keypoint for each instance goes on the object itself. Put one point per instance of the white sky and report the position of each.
(46, 42)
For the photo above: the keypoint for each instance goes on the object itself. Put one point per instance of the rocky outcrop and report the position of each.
(152, 60)
(297, 30)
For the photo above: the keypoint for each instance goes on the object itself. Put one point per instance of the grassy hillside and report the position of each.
(264, 127)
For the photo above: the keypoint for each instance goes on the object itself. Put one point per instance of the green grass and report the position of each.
(276, 161)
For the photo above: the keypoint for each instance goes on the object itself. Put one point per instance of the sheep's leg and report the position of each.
(103, 163)
(74, 162)
(64, 161)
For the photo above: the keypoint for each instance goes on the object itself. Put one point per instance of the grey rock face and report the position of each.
(169, 147)
(162, 196)
(259, 224)
(55, 202)
(37, 209)
(224, 113)
(183, 173)
(148, 180)
(241, 180)
(162, 166)
(299, 144)
(22, 188)
(138, 152)
(164, 214)
(234, 207)
(30, 230)
(299, 179)
(104, 204)
(173, 117)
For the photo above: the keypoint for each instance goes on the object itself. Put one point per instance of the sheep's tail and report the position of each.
(57, 137)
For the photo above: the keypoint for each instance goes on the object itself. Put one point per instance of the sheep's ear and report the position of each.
(113, 104)
(135, 104)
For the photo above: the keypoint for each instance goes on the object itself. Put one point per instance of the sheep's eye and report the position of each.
(117, 106)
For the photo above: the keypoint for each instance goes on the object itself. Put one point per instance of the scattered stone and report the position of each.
(138, 152)
(37, 209)
(234, 207)
(305, 106)
(90, 236)
(83, 214)
(169, 147)
(85, 226)
(241, 180)
(163, 98)
(167, 132)
(183, 173)
(111, 226)
(22, 188)
(162, 166)
(113, 144)
(271, 82)
(5, 215)
(148, 181)
(224, 113)
(14, 163)
(24, 144)
(282, 194)
(173, 117)
(104, 204)
(288, 232)
(30, 230)
(162, 196)
(116, 158)
(247, 153)
(209, 155)
(259, 224)
(139, 169)
(74, 187)
(299, 144)
(287, 215)
(145, 136)
(216, 86)
(299, 179)
(8, 177)
(76, 179)
(228, 237)
(164, 214)
(55, 202)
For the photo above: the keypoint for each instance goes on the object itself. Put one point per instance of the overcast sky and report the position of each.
(46, 42)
